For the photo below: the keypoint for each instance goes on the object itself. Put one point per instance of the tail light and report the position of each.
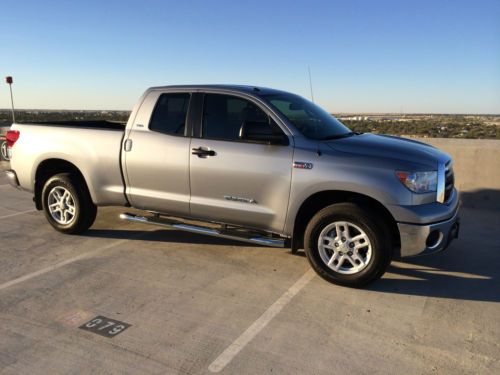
(12, 136)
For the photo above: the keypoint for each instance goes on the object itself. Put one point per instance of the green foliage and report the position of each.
(47, 116)
(435, 127)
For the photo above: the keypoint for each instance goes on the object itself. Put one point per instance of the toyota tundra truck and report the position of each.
(250, 164)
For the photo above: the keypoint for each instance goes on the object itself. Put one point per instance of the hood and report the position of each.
(389, 147)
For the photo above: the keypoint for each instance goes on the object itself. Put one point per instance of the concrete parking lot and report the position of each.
(199, 305)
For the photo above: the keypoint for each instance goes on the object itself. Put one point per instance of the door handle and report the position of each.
(202, 152)
(127, 146)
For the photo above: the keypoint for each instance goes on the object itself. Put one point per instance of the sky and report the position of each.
(365, 56)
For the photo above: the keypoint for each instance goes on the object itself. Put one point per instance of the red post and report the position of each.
(10, 81)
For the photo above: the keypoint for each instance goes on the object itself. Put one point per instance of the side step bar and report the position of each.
(221, 233)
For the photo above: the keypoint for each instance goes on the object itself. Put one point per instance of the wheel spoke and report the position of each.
(359, 237)
(333, 258)
(57, 195)
(339, 264)
(65, 196)
(346, 233)
(342, 230)
(328, 243)
(360, 245)
(329, 239)
(57, 214)
(349, 258)
(337, 231)
(359, 258)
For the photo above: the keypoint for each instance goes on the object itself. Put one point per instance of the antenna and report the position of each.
(9, 81)
(310, 83)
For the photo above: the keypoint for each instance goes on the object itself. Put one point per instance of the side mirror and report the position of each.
(261, 132)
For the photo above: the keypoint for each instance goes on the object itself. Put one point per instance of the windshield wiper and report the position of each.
(338, 136)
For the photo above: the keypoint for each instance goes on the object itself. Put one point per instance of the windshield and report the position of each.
(311, 120)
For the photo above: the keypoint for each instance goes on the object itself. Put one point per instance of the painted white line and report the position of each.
(16, 214)
(60, 264)
(257, 326)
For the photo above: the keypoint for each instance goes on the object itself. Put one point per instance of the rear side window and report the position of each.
(224, 114)
(170, 114)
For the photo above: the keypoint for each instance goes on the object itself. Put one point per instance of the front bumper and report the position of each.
(429, 238)
(12, 179)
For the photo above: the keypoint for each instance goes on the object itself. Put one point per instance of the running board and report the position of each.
(221, 233)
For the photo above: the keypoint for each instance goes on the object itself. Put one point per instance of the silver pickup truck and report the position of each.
(246, 163)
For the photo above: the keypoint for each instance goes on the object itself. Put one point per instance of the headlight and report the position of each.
(419, 182)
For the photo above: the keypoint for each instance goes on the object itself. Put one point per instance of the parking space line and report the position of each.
(232, 350)
(62, 264)
(17, 214)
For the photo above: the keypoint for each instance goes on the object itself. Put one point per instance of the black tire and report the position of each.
(85, 211)
(376, 231)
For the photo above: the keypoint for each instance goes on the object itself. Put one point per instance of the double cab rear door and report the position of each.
(183, 156)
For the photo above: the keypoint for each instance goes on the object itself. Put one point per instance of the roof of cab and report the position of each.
(239, 88)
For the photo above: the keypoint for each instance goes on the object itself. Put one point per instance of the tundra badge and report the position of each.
(302, 165)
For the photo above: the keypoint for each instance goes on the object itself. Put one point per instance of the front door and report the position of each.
(233, 181)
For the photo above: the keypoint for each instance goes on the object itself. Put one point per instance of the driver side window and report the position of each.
(223, 116)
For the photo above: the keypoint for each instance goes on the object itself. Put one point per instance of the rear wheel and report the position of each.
(347, 246)
(3, 150)
(67, 204)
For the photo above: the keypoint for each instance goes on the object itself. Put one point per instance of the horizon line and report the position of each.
(340, 112)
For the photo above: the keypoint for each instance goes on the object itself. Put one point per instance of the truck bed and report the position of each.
(93, 147)
(94, 124)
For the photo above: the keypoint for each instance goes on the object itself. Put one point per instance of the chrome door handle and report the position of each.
(202, 152)
(127, 146)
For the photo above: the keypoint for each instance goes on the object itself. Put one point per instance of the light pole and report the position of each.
(10, 81)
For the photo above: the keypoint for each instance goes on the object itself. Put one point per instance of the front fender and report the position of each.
(345, 173)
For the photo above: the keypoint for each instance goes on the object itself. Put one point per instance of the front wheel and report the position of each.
(347, 246)
(67, 204)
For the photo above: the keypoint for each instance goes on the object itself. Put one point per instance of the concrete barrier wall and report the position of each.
(476, 166)
(477, 169)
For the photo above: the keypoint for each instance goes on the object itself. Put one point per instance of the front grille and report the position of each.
(449, 181)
